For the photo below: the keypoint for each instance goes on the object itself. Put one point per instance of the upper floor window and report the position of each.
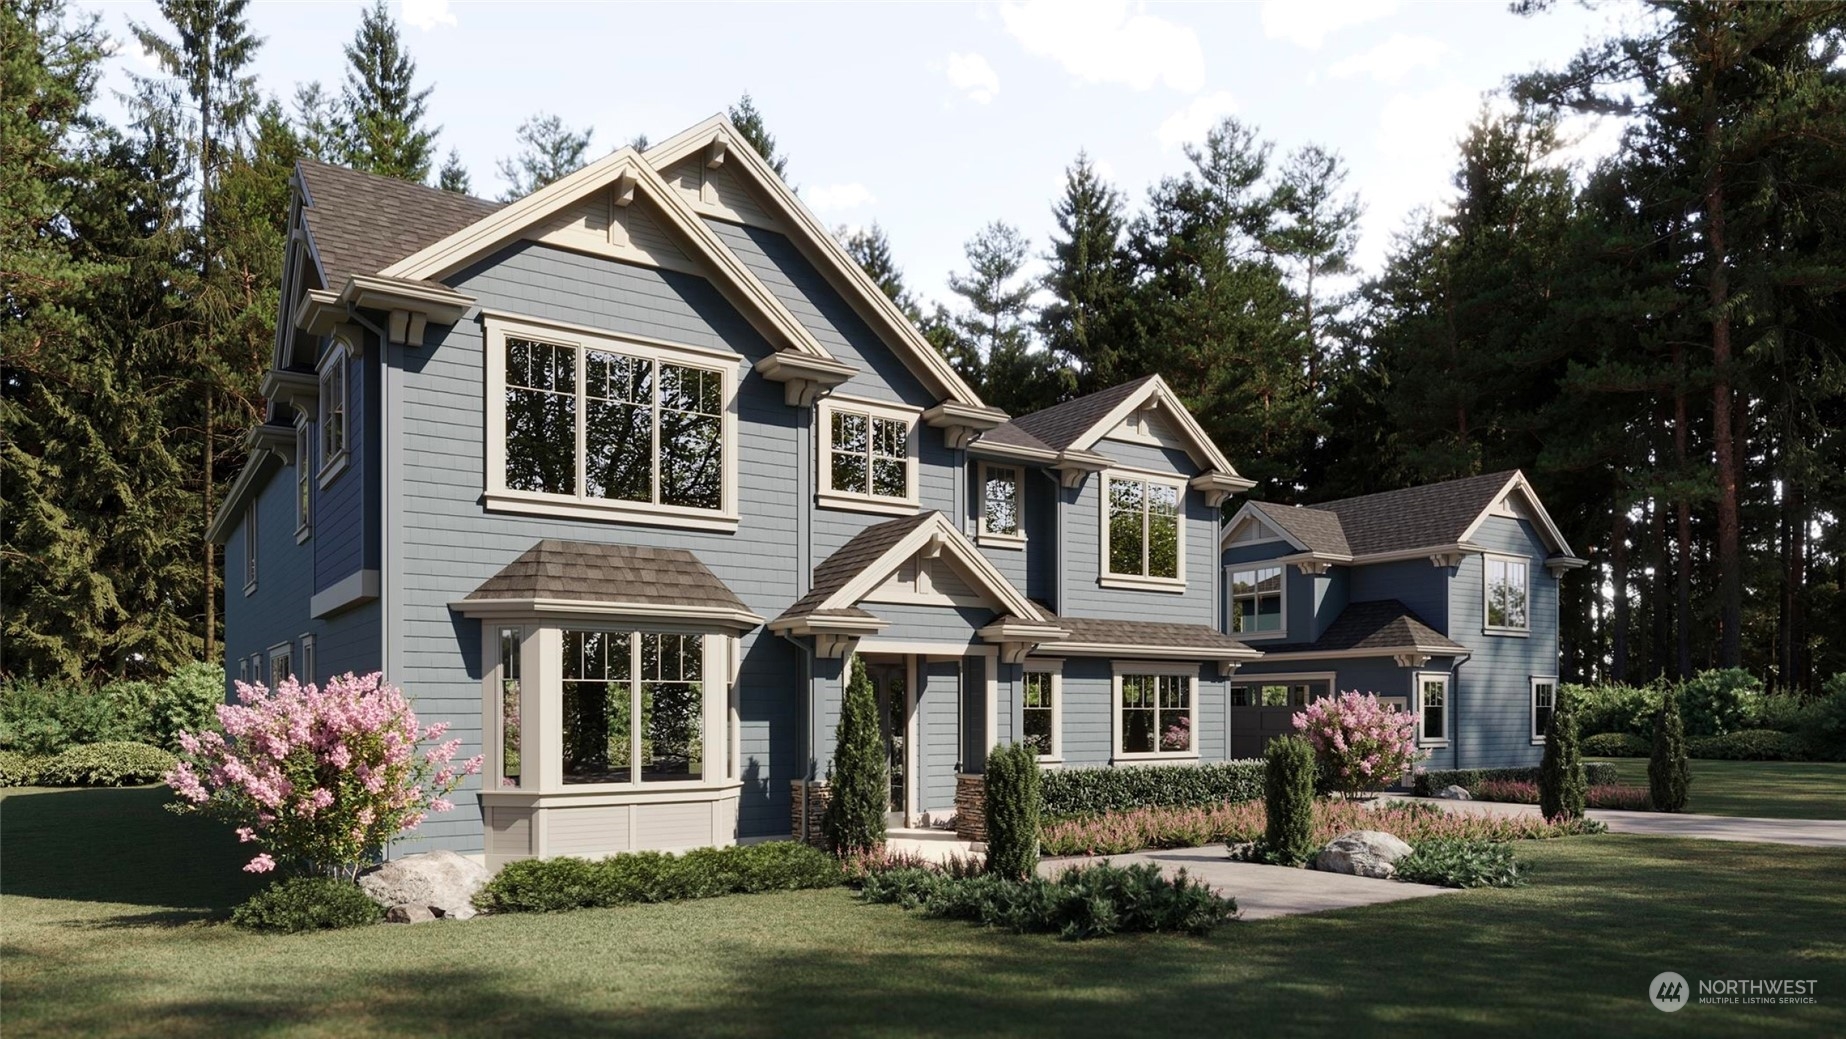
(581, 425)
(252, 527)
(1256, 602)
(868, 455)
(1508, 593)
(304, 482)
(1002, 499)
(1544, 701)
(333, 411)
(1142, 545)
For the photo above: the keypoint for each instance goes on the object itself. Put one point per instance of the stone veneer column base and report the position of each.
(816, 795)
(971, 808)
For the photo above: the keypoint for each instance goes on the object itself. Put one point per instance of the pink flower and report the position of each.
(261, 864)
(245, 834)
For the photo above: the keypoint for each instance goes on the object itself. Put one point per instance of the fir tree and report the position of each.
(1082, 322)
(384, 111)
(871, 249)
(548, 151)
(319, 123)
(1315, 238)
(994, 351)
(1562, 791)
(453, 176)
(1669, 773)
(211, 50)
(749, 123)
(859, 780)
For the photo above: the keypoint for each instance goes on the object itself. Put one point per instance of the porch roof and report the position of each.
(1100, 636)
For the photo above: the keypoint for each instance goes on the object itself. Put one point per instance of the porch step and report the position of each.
(919, 834)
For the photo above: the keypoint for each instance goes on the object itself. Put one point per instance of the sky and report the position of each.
(934, 119)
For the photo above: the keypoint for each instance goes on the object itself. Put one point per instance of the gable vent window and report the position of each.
(869, 456)
(590, 428)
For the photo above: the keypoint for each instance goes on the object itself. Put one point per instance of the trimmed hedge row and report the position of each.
(117, 763)
(550, 885)
(1744, 745)
(1595, 773)
(1090, 791)
(1617, 745)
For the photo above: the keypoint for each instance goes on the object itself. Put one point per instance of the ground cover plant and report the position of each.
(1454, 862)
(1622, 796)
(1080, 902)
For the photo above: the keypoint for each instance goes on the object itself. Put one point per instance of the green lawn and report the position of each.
(1762, 789)
(104, 901)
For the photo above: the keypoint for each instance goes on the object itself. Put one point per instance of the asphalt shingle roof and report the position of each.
(849, 560)
(1415, 517)
(1155, 634)
(1318, 531)
(362, 223)
(1384, 625)
(1060, 425)
(630, 574)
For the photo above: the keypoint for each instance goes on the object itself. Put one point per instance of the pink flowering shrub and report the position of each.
(319, 777)
(1362, 745)
(1524, 791)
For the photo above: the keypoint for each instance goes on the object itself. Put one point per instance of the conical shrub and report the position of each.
(859, 780)
(1669, 773)
(1562, 790)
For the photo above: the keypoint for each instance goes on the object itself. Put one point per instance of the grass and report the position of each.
(104, 900)
(1758, 789)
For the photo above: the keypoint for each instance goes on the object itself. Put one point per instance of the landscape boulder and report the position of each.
(409, 913)
(1362, 853)
(440, 882)
(1454, 793)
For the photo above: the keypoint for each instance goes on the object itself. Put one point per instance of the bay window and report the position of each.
(869, 455)
(1141, 544)
(595, 426)
(1256, 602)
(1156, 711)
(1507, 593)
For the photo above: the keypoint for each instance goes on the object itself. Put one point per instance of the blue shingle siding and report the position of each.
(1083, 593)
(1494, 684)
(975, 737)
(938, 712)
(1088, 724)
(1414, 582)
(1042, 547)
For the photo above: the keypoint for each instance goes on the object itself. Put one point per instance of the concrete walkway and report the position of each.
(1817, 833)
(1263, 891)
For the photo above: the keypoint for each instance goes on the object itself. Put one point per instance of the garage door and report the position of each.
(1264, 708)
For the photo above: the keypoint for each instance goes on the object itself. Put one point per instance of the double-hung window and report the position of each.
(252, 540)
(1142, 542)
(1002, 504)
(1544, 701)
(597, 427)
(281, 662)
(333, 412)
(1256, 602)
(1042, 711)
(1507, 594)
(304, 482)
(1433, 700)
(869, 455)
(1156, 712)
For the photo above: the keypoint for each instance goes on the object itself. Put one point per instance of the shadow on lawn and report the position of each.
(119, 845)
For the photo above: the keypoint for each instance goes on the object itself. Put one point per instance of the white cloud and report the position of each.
(977, 80)
(1106, 42)
(1189, 124)
(426, 14)
(1392, 60)
(834, 198)
(1308, 24)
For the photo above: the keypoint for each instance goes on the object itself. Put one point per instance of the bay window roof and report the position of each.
(580, 577)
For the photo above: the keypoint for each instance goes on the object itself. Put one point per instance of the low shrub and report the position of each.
(1362, 744)
(1118, 833)
(1450, 862)
(1081, 902)
(1615, 745)
(551, 885)
(1508, 791)
(44, 717)
(1718, 701)
(1288, 800)
(18, 769)
(307, 904)
(855, 868)
(1614, 708)
(1750, 745)
(1609, 795)
(1621, 796)
(1011, 801)
(1085, 791)
(107, 764)
(1428, 781)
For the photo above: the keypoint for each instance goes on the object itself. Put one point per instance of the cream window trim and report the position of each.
(1248, 681)
(1525, 567)
(334, 400)
(304, 479)
(281, 662)
(1142, 582)
(1230, 579)
(308, 664)
(1188, 671)
(826, 496)
(1448, 701)
(1538, 735)
(1054, 669)
(997, 539)
(500, 498)
(253, 538)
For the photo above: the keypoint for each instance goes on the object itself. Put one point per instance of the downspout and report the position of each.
(1455, 707)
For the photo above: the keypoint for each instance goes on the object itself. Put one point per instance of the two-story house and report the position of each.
(616, 480)
(1443, 598)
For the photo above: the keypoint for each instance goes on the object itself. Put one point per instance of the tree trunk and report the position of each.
(211, 591)
(1724, 437)
(1618, 584)
(1682, 581)
(1660, 593)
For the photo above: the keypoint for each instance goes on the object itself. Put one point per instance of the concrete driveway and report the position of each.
(1817, 833)
(1264, 891)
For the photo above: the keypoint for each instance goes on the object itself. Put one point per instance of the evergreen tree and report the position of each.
(1288, 800)
(548, 151)
(383, 110)
(871, 249)
(453, 176)
(211, 50)
(995, 352)
(1669, 772)
(1315, 240)
(1082, 322)
(319, 123)
(859, 780)
(1562, 790)
(749, 123)
(1010, 805)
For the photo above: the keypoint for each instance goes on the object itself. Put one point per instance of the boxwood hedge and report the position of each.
(1088, 791)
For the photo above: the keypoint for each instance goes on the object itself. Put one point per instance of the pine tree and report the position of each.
(995, 351)
(384, 111)
(1082, 322)
(871, 249)
(453, 176)
(548, 151)
(1562, 791)
(749, 123)
(1315, 239)
(859, 780)
(1669, 772)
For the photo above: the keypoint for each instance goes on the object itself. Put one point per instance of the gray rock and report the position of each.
(409, 913)
(1362, 853)
(1454, 793)
(437, 880)
(464, 913)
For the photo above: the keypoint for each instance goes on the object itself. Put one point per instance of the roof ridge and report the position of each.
(399, 182)
(1504, 474)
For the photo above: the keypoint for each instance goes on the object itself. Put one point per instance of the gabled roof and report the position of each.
(823, 250)
(1383, 628)
(590, 577)
(345, 212)
(1312, 529)
(871, 555)
(1061, 426)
